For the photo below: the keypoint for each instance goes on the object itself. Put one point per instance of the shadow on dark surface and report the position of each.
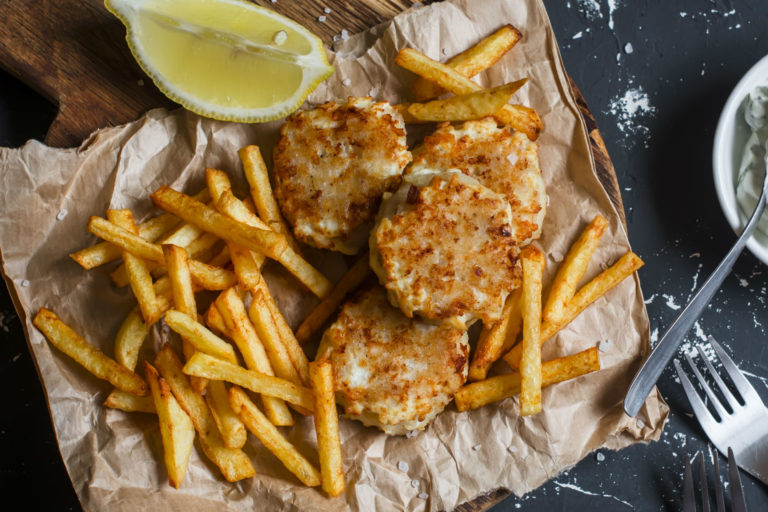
(18, 125)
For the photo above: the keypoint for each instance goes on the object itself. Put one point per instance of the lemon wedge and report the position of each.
(226, 59)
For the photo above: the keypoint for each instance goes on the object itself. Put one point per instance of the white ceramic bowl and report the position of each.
(730, 138)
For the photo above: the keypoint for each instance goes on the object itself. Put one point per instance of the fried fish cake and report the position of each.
(443, 248)
(393, 372)
(506, 162)
(332, 165)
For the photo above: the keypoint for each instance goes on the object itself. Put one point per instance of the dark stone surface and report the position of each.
(686, 57)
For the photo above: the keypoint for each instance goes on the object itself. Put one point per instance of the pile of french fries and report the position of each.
(240, 351)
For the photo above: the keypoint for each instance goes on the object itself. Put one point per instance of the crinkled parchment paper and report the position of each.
(114, 458)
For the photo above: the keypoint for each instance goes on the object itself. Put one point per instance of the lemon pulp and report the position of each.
(226, 59)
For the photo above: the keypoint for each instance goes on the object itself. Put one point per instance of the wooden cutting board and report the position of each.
(73, 52)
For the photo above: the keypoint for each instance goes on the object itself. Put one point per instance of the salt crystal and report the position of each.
(403, 466)
(603, 345)
(373, 92)
(412, 433)
(25, 283)
(423, 495)
(600, 457)
(512, 158)
(62, 214)
(347, 82)
(415, 484)
(321, 19)
(628, 48)
(327, 10)
(16, 357)
(280, 37)
(640, 423)
(477, 447)
(512, 449)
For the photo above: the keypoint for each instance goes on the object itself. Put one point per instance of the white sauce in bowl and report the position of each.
(749, 178)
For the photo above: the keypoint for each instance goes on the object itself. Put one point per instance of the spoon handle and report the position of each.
(651, 369)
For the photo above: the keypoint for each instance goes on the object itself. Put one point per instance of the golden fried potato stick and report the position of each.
(261, 191)
(241, 330)
(64, 338)
(139, 277)
(130, 337)
(215, 321)
(478, 394)
(464, 107)
(209, 277)
(520, 118)
(590, 292)
(532, 261)
(233, 462)
(231, 427)
(203, 365)
(176, 429)
(129, 402)
(272, 439)
(266, 329)
(572, 269)
(327, 427)
(349, 282)
(497, 338)
(295, 352)
(472, 61)
(201, 338)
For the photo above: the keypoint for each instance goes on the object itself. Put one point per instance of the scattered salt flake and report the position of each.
(347, 82)
(578, 35)
(477, 447)
(322, 18)
(630, 108)
(403, 466)
(683, 14)
(327, 10)
(512, 449)
(743, 282)
(671, 304)
(280, 37)
(16, 357)
(695, 255)
(423, 496)
(600, 457)
(25, 283)
(654, 335)
(603, 345)
(62, 214)
(415, 484)
(512, 158)
(373, 92)
(412, 433)
(640, 423)
(628, 48)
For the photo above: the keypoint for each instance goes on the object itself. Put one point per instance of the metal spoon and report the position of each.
(756, 116)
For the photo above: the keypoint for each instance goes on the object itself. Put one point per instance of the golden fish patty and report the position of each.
(506, 162)
(332, 165)
(443, 248)
(390, 371)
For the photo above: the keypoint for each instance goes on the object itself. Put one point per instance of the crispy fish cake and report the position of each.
(506, 162)
(332, 165)
(443, 248)
(390, 371)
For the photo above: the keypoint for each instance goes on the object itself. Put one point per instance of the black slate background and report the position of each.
(686, 57)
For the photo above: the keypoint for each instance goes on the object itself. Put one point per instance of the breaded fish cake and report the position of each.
(443, 248)
(332, 165)
(504, 161)
(390, 371)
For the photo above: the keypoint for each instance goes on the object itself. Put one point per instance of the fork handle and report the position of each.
(651, 369)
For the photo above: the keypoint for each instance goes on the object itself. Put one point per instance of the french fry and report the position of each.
(230, 426)
(266, 329)
(241, 330)
(129, 402)
(64, 338)
(176, 429)
(201, 338)
(572, 269)
(215, 321)
(350, 281)
(327, 427)
(247, 266)
(206, 218)
(325, 348)
(496, 339)
(295, 352)
(478, 394)
(472, 61)
(222, 259)
(261, 191)
(589, 293)
(209, 277)
(203, 365)
(290, 259)
(130, 337)
(473, 105)
(532, 261)
(139, 277)
(217, 182)
(272, 439)
(233, 462)
(518, 117)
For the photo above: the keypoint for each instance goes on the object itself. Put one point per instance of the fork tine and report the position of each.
(704, 486)
(706, 420)
(737, 492)
(712, 398)
(718, 481)
(746, 390)
(689, 498)
(719, 380)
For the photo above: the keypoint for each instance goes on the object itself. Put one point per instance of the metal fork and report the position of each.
(740, 423)
(734, 481)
